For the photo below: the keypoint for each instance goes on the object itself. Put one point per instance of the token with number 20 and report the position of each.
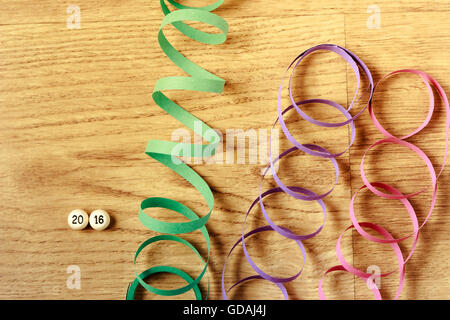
(77, 219)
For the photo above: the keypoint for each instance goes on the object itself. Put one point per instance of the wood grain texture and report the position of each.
(77, 113)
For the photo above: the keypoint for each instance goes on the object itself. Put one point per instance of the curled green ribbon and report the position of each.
(164, 151)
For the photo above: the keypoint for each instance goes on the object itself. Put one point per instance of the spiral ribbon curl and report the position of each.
(166, 151)
(393, 193)
(297, 192)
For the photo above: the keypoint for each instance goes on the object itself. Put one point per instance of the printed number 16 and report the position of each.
(98, 219)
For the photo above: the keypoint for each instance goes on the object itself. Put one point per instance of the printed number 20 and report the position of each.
(77, 219)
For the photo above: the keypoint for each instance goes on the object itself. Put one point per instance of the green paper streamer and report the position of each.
(163, 151)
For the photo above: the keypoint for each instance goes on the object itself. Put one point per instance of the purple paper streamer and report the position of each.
(311, 149)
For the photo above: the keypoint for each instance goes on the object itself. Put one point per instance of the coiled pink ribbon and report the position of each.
(297, 192)
(393, 193)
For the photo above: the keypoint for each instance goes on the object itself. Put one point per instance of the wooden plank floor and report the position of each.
(77, 113)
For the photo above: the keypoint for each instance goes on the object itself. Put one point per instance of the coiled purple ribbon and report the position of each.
(297, 192)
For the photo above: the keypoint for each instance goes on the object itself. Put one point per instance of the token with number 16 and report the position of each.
(99, 219)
